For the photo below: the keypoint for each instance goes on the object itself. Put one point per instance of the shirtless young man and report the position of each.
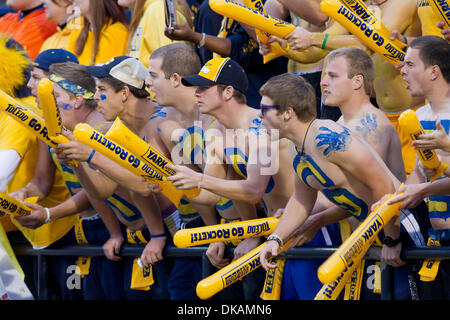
(167, 66)
(331, 159)
(389, 87)
(347, 83)
(426, 71)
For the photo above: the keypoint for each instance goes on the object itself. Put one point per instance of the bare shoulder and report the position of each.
(331, 137)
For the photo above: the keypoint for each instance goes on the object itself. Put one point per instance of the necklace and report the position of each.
(304, 140)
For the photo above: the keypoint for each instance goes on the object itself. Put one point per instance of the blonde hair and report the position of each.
(359, 63)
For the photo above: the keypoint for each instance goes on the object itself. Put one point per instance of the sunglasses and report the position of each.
(265, 108)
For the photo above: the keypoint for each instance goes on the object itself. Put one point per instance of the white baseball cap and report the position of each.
(130, 71)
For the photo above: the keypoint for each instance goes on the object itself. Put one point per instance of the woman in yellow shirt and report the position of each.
(147, 26)
(60, 12)
(103, 34)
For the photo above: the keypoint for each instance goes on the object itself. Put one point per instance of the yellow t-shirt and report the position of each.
(428, 19)
(149, 34)
(59, 40)
(14, 136)
(112, 43)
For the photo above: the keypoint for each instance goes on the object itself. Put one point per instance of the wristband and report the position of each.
(277, 239)
(90, 156)
(201, 181)
(324, 41)
(202, 41)
(158, 235)
(47, 220)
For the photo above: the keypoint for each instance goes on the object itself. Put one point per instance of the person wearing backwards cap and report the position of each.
(121, 93)
(262, 171)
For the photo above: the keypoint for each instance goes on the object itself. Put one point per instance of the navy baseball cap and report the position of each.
(219, 71)
(51, 56)
(102, 70)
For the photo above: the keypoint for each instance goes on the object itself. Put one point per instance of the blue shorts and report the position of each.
(300, 281)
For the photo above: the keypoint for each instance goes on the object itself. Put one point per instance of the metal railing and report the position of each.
(374, 253)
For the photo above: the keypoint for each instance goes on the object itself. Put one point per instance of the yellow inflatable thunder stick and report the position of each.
(14, 207)
(277, 51)
(370, 36)
(232, 272)
(354, 248)
(51, 113)
(331, 291)
(31, 121)
(224, 232)
(49, 109)
(252, 17)
(123, 136)
(84, 133)
(411, 126)
(442, 9)
(362, 11)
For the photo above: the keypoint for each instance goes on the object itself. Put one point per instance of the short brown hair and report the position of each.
(238, 95)
(359, 63)
(77, 74)
(434, 50)
(177, 58)
(290, 90)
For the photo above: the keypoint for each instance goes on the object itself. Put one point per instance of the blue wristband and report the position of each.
(158, 235)
(90, 156)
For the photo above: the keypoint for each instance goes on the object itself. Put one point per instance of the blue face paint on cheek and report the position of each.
(103, 96)
(67, 107)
